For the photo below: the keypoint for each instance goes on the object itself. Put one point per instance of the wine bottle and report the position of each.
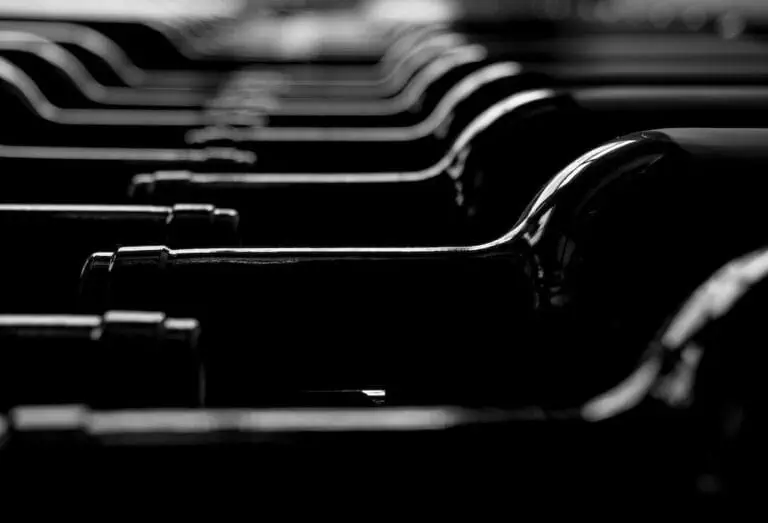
(588, 255)
(560, 456)
(78, 89)
(470, 194)
(41, 123)
(701, 363)
(109, 64)
(165, 54)
(329, 149)
(127, 360)
(438, 76)
(91, 174)
(39, 119)
(67, 83)
(45, 245)
(458, 61)
(584, 46)
(118, 360)
(112, 66)
(568, 452)
(616, 50)
(49, 63)
(169, 52)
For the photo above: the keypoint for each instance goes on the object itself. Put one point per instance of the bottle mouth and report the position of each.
(97, 263)
(112, 278)
(94, 282)
(226, 227)
(142, 188)
(145, 187)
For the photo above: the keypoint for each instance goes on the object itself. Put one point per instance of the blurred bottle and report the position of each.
(118, 360)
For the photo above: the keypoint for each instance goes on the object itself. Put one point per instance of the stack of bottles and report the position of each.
(425, 254)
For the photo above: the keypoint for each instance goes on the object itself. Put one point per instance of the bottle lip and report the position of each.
(94, 281)
(228, 219)
(97, 263)
(142, 187)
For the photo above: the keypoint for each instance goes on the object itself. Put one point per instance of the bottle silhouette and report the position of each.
(702, 364)
(476, 192)
(118, 360)
(92, 174)
(45, 245)
(580, 254)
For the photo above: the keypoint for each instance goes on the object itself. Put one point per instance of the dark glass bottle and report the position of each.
(535, 46)
(93, 174)
(703, 365)
(604, 252)
(157, 50)
(165, 47)
(474, 193)
(577, 61)
(103, 58)
(566, 43)
(41, 123)
(118, 360)
(295, 116)
(615, 48)
(323, 149)
(457, 451)
(644, 438)
(98, 49)
(45, 245)
(127, 360)
(68, 84)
